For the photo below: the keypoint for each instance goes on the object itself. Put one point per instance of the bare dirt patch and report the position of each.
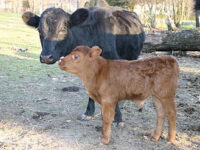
(37, 112)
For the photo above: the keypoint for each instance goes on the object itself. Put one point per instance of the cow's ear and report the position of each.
(95, 51)
(78, 17)
(31, 19)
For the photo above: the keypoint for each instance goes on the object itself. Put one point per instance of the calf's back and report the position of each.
(136, 79)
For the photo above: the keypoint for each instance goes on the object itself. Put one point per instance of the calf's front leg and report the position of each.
(107, 112)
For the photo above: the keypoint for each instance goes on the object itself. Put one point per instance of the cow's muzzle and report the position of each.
(47, 59)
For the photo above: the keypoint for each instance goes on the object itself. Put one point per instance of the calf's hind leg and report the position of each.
(170, 109)
(160, 119)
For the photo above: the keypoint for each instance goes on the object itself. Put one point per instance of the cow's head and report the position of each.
(54, 28)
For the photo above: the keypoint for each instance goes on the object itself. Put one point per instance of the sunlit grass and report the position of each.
(15, 35)
(16, 55)
(188, 25)
(183, 26)
(162, 26)
(16, 65)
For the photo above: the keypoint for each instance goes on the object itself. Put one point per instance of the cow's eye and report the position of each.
(63, 30)
(75, 57)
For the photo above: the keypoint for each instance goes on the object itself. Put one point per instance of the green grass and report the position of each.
(183, 26)
(15, 34)
(188, 26)
(19, 70)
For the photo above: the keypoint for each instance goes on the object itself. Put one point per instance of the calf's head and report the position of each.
(54, 26)
(80, 59)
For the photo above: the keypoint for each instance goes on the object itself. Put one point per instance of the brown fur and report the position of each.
(109, 81)
(26, 16)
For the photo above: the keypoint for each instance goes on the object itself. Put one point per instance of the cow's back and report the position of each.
(130, 36)
(118, 32)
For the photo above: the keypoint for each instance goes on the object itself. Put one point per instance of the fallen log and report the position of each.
(183, 40)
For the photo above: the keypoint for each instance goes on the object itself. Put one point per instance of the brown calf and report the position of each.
(109, 81)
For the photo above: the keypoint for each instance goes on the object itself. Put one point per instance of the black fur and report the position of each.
(78, 17)
(197, 5)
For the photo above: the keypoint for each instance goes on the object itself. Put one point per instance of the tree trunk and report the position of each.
(77, 4)
(185, 40)
(170, 24)
(197, 18)
(151, 16)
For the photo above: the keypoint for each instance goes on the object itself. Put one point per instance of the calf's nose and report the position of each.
(46, 59)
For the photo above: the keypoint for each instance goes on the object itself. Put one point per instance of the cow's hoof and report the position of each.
(140, 110)
(84, 117)
(118, 124)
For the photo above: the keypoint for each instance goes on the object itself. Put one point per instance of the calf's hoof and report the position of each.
(155, 135)
(155, 139)
(84, 117)
(105, 140)
(171, 139)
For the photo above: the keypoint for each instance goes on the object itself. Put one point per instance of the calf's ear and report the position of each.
(95, 51)
(31, 19)
(78, 17)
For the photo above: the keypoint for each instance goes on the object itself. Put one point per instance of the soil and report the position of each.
(45, 116)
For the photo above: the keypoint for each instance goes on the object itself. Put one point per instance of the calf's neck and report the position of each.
(110, 81)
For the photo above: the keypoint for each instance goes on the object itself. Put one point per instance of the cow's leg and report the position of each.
(118, 115)
(89, 114)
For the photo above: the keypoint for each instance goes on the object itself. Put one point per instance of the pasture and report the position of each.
(35, 112)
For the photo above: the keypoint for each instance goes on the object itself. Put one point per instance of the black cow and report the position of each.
(118, 32)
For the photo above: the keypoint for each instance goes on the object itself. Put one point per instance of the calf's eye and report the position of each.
(75, 57)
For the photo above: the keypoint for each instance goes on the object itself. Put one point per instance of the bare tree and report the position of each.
(152, 5)
(154, 8)
(101, 3)
(182, 9)
(78, 4)
(197, 12)
(32, 5)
